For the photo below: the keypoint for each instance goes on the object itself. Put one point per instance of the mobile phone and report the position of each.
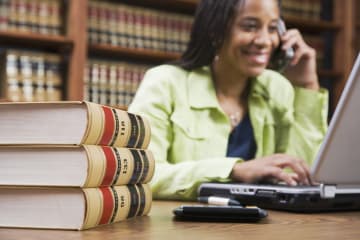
(281, 58)
(215, 213)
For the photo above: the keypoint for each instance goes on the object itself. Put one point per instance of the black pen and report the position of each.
(223, 201)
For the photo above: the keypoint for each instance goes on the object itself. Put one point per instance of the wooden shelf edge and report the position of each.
(184, 3)
(31, 39)
(309, 24)
(158, 56)
(185, 6)
(137, 54)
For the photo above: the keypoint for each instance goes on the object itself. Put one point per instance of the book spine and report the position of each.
(118, 166)
(108, 205)
(109, 126)
(4, 14)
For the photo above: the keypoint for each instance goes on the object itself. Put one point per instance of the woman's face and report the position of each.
(252, 37)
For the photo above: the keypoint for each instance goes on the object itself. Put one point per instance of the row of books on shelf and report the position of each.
(72, 165)
(38, 76)
(30, 75)
(307, 9)
(36, 16)
(137, 27)
(112, 83)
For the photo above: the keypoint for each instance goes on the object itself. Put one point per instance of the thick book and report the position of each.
(74, 166)
(71, 123)
(72, 208)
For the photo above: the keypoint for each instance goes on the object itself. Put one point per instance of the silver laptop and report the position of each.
(337, 167)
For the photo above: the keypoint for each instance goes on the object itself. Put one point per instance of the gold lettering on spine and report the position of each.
(124, 130)
(96, 165)
(116, 128)
(127, 166)
(119, 166)
(124, 203)
(123, 199)
(96, 121)
(94, 207)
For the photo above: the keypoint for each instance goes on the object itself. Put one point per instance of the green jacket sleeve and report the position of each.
(310, 123)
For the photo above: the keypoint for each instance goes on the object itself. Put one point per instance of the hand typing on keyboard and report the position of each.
(273, 168)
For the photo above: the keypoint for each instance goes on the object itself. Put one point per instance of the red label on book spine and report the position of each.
(109, 126)
(108, 205)
(111, 166)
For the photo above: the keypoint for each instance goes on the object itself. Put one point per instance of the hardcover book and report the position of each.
(71, 123)
(74, 166)
(72, 208)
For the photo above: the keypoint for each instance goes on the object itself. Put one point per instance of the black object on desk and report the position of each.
(213, 213)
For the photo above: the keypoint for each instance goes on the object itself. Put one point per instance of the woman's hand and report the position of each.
(302, 69)
(271, 168)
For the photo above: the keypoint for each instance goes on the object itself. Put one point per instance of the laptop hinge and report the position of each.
(327, 191)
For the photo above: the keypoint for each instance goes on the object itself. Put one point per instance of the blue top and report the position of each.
(241, 140)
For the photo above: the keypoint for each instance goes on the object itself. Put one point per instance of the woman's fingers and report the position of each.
(272, 167)
(280, 175)
(294, 39)
(298, 166)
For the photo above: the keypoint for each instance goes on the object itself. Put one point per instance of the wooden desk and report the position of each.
(160, 225)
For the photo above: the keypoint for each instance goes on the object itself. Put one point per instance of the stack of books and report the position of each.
(72, 165)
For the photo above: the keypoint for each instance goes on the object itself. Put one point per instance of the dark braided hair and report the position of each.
(213, 19)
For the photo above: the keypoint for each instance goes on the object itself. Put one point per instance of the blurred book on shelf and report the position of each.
(31, 75)
(112, 83)
(137, 27)
(307, 9)
(32, 16)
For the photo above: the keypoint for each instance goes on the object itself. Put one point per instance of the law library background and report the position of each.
(99, 50)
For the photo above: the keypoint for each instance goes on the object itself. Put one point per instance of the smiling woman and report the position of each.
(218, 114)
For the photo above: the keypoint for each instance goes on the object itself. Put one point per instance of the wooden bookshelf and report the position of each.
(76, 29)
(312, 25)
(188, 6)
(73, 44)
(357, 30)
(330, 74)
(137, 54)
(344, 49)
(37, 40)
(340, 27)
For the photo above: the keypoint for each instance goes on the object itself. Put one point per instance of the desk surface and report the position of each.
(160, 225)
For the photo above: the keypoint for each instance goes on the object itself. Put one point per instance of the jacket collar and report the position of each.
(202, 93)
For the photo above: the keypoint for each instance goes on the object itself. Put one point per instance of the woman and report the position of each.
(218, 115)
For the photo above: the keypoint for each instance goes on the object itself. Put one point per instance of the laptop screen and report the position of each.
(338, 161)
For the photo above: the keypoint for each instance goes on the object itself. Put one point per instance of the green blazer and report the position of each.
(190, 131)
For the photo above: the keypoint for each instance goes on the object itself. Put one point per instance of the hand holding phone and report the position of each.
(281, 58)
